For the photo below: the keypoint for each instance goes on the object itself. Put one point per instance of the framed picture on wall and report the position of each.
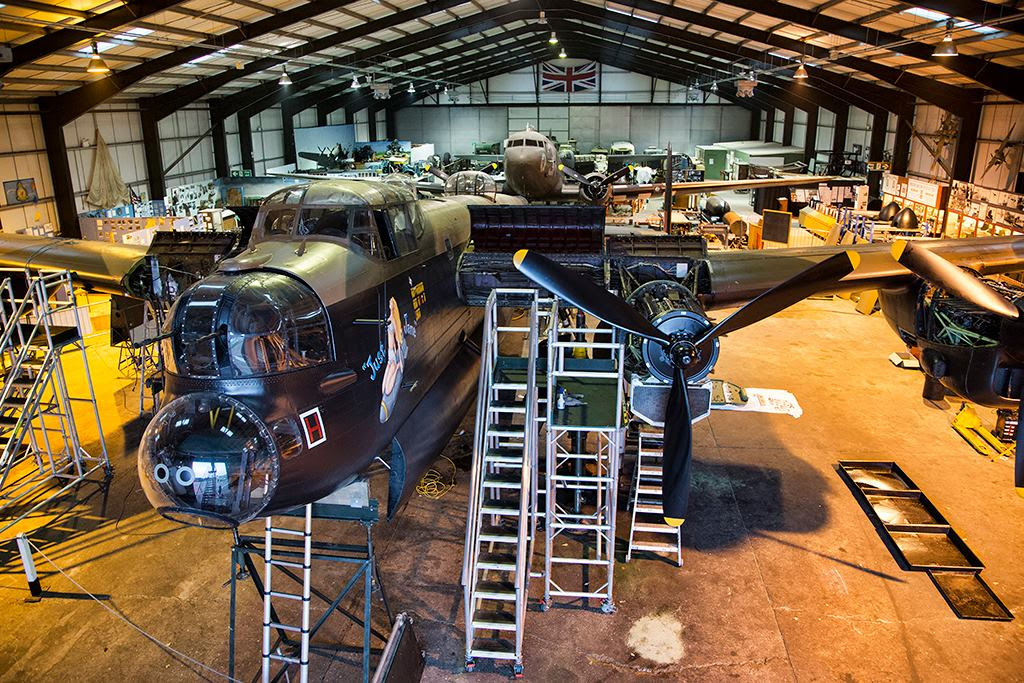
(21, 191)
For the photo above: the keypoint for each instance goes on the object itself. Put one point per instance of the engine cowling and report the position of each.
(673, 309)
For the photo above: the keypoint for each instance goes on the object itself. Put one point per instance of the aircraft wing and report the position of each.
(703, 186)
(105, 267)
(735, 277)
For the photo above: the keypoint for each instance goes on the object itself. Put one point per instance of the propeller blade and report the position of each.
(677, 453)
(939, 272)
(488, 167)
(621, 173)
(571, 174)
(782, 296)
(436, 171)
(584, 294)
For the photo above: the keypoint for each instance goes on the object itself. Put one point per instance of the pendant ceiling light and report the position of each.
(285, 78)
(411, 90)
(553, 40)
(561, 54)
(355, 82)
(801, 72)
(96, 63)
(714, 86)
(946, 48)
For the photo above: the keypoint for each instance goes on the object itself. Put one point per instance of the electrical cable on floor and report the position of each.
(435, 485)
(120, 616)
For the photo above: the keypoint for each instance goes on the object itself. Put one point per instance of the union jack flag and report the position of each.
(554, 78)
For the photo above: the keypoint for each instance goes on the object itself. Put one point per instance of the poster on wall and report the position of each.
(327, 148)
(382, 150)
(21, 191)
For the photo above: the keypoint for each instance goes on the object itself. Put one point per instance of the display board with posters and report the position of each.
(980, 210)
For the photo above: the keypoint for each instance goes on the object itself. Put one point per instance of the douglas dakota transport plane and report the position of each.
(343, 328)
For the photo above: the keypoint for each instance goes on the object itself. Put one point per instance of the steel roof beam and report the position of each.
(1002, 79)
(68, 106)
(949, 97)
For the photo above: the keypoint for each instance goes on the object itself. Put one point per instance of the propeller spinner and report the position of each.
(681, 348)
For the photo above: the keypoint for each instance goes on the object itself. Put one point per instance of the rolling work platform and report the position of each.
(583, 443)
(503, 509)
(41, 451)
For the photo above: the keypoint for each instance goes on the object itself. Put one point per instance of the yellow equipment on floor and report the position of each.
(967, 424)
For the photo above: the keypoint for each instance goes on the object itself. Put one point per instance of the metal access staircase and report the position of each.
(648, 531)
(503, 503)
(41, 452)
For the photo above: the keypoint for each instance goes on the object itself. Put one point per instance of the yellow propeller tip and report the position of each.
(674, 521)
(494, 165)
(854, 259)
(561, 167)
(898, 247)
(517, 259)
(1020, 491)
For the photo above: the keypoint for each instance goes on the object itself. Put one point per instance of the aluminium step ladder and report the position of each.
(648, 531)
(583, 438)
(41, 450)
(503, 504)
(272, 621)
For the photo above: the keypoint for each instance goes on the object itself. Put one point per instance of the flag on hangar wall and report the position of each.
(555, 78)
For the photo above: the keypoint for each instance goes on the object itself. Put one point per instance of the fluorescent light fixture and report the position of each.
(285, 78)
(96, 63)
(801, 72)
(553, 40)
(561, 54)
(946, 48)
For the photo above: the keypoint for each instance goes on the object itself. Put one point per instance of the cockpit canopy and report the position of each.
(256, 323)
(381, 220)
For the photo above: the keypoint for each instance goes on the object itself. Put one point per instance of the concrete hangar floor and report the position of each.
(784, 577)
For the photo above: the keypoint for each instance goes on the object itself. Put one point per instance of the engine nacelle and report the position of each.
(673, 309)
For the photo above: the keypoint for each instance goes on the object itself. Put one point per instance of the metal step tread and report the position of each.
(649, 490)
(498, 534)
(60, 334)
(503, 481)
(495, 620)
(517, 431)
(497, 561)
(655, 547)
(649, 508)
(495, 590)
(496, 506)
(507, 407)
(486, 648)
(656, 528)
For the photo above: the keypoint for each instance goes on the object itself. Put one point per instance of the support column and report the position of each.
(769, 125)
(390, 130)
(288, 133)
(839, 132)
(60, 175)
(879, 128)
(245, 142)
(371, 123)
(787, 126)
(901, 148)
(811, 136)
(755, 124)
(220, 142)
(321, 117)
(966, 142)
(153, 154)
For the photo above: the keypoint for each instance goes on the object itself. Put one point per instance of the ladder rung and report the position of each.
(579, 594)
(507, 407)
(656, 547)
(290, 596)
(511, 460)
(288, 532)
(577, 560)
(582, 478)
(649, 490)
(656, 528)
(650, 471)
(286, 627)
(285, 658)
(580, 527)
(505, 431)
(649, 508)
(510, 386)
(286, 563)
(484, 652)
